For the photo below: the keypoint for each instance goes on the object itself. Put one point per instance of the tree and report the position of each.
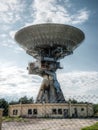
(14, 102)
(25, 100)
(73, 101)
(95, 108)
(4, 106)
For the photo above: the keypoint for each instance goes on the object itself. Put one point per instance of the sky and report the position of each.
(79, 77)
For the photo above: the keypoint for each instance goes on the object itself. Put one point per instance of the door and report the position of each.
(65, 113)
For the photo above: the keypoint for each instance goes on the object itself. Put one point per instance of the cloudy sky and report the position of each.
(80, 74)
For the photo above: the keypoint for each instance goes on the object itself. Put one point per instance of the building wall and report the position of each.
(51, 110)
(14, 107)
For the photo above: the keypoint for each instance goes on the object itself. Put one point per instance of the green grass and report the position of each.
(93, 127)
(10, 119)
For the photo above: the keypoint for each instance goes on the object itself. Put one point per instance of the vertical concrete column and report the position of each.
(70, 109)
(1, 118)
(21, 109)
(90, 110)
(87, 110)
(43, 94)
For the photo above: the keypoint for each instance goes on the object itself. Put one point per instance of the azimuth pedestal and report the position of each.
(48, 93)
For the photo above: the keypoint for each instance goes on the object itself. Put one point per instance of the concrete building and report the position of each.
(56, 110)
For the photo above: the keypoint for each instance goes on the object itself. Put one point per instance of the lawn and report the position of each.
(10, 119)
(93, 127)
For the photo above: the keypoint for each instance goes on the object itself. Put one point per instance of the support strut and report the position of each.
(50, 91)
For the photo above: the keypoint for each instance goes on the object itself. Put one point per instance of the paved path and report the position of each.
(49, 124)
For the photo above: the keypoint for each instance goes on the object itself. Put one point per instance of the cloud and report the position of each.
(79, 82)
(16, 14)
(80, 85)
(13, 16)
(12, 34)
(10, 11)
(16, 82)
(81, 16)
(53, 11)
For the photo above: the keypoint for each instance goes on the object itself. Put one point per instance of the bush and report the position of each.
(4, 106)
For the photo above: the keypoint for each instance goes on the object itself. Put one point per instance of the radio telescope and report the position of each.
(48, 43)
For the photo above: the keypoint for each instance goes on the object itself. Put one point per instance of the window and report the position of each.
(15, 112)
(54, 111)
(82, 109)
(59, 111)
(30, 111)
(35, 111)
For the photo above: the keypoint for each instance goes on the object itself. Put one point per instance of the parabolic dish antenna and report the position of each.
(48, 43)
(49, 36)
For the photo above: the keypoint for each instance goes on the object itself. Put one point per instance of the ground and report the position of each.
(48, 124)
